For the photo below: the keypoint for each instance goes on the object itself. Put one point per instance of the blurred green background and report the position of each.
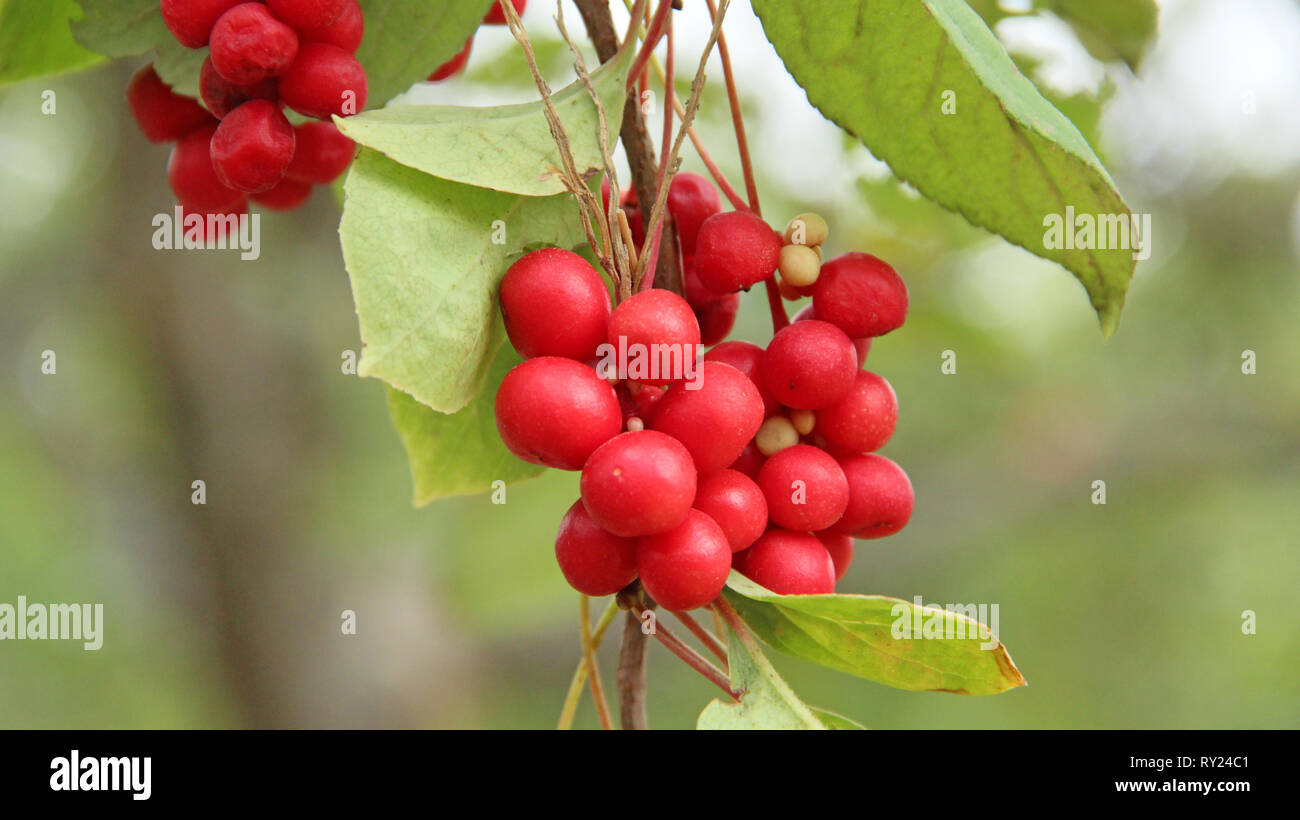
(176, 366)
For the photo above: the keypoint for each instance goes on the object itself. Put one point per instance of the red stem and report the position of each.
(704, 636)
(692, 658)
(653, 33)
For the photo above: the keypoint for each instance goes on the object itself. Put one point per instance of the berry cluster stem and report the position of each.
(585, 665)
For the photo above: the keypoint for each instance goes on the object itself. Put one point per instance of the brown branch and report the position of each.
(631, 675)
(638, 145)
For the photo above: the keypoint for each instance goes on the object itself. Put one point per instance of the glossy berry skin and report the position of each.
(249, 45)
(864, 419)
(717, 318)
(691, 200)
(862, 344)
(736, 504)
(555, 304)
(191, 21)
(222, 96)
(162, 114)
(656, 317)
(840, 548)
(346, 32)
(714, 422)
(193, 178)
(556, 412)
(455, 65)
(594, 562)
(638, 483)
(287, 195)
(687, 566)
(789, 563)
(750, 461)
(252, 147)
(880, 497)
(497, 17)
(860, 295)
(805, 488)
(735, 250)
(324, 81)
(748, 359)
(321, 153)
(810, 365)
(308, 14)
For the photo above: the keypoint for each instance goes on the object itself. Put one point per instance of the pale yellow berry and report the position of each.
(776, 434)
(806, 229)
(635, 425)
(803, 420)
(799, 265)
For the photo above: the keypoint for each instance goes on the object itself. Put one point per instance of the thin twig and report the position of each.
(589, 653)
(692, 658)
(733, 96)
(631, 675)
(710, 642)
(579, 680)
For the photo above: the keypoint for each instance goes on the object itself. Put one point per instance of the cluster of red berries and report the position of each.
(262, 56)
(495, 17)
(761, 459)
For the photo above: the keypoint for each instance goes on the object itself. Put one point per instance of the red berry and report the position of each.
(346, 32)
(735, 250)
(840, 548)
(657, 327)
(789, 563)
(250, 45)
(308, 14)
(321, 153)
(192, 177)
(862, 344)
(287, 195)
(860, 295)
(687, 566)
(497, 17)
(864, 419)
(555, 304)
(804, 487)
(162, 114)
(325, 80)
(191, 21)
(715, 421)
(638, 483)
(880, 497)
(252, 147)
(691, 200)
(750, 461)
(455, 65)
(631, 206)
(221, 96)
(594, 562)
(717, 318)
(556, 412)
(748, 359)
(810, 365)
(736, 503)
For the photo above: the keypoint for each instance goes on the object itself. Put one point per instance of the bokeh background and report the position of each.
(176, 366)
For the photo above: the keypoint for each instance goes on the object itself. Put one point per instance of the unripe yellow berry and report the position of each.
(803, 420)
(806, 229)
(776, 434)
(799, 265)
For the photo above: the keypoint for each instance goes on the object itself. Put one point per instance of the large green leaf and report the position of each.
(766, 701)
(854, 634)
(424, 270)
(458, 453)
(406, 40)
(508, 147)
(127, 28)
(35, 39)
(1006, 159)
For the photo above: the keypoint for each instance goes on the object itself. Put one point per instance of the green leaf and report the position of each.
(36, 40)
(855, 634)
(406, 40)
(1006, 159)
(127, 28)
(766, 701)
(1110, 29)
(458, 453)
(507, 147)
(424, 270)
(833, 720)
